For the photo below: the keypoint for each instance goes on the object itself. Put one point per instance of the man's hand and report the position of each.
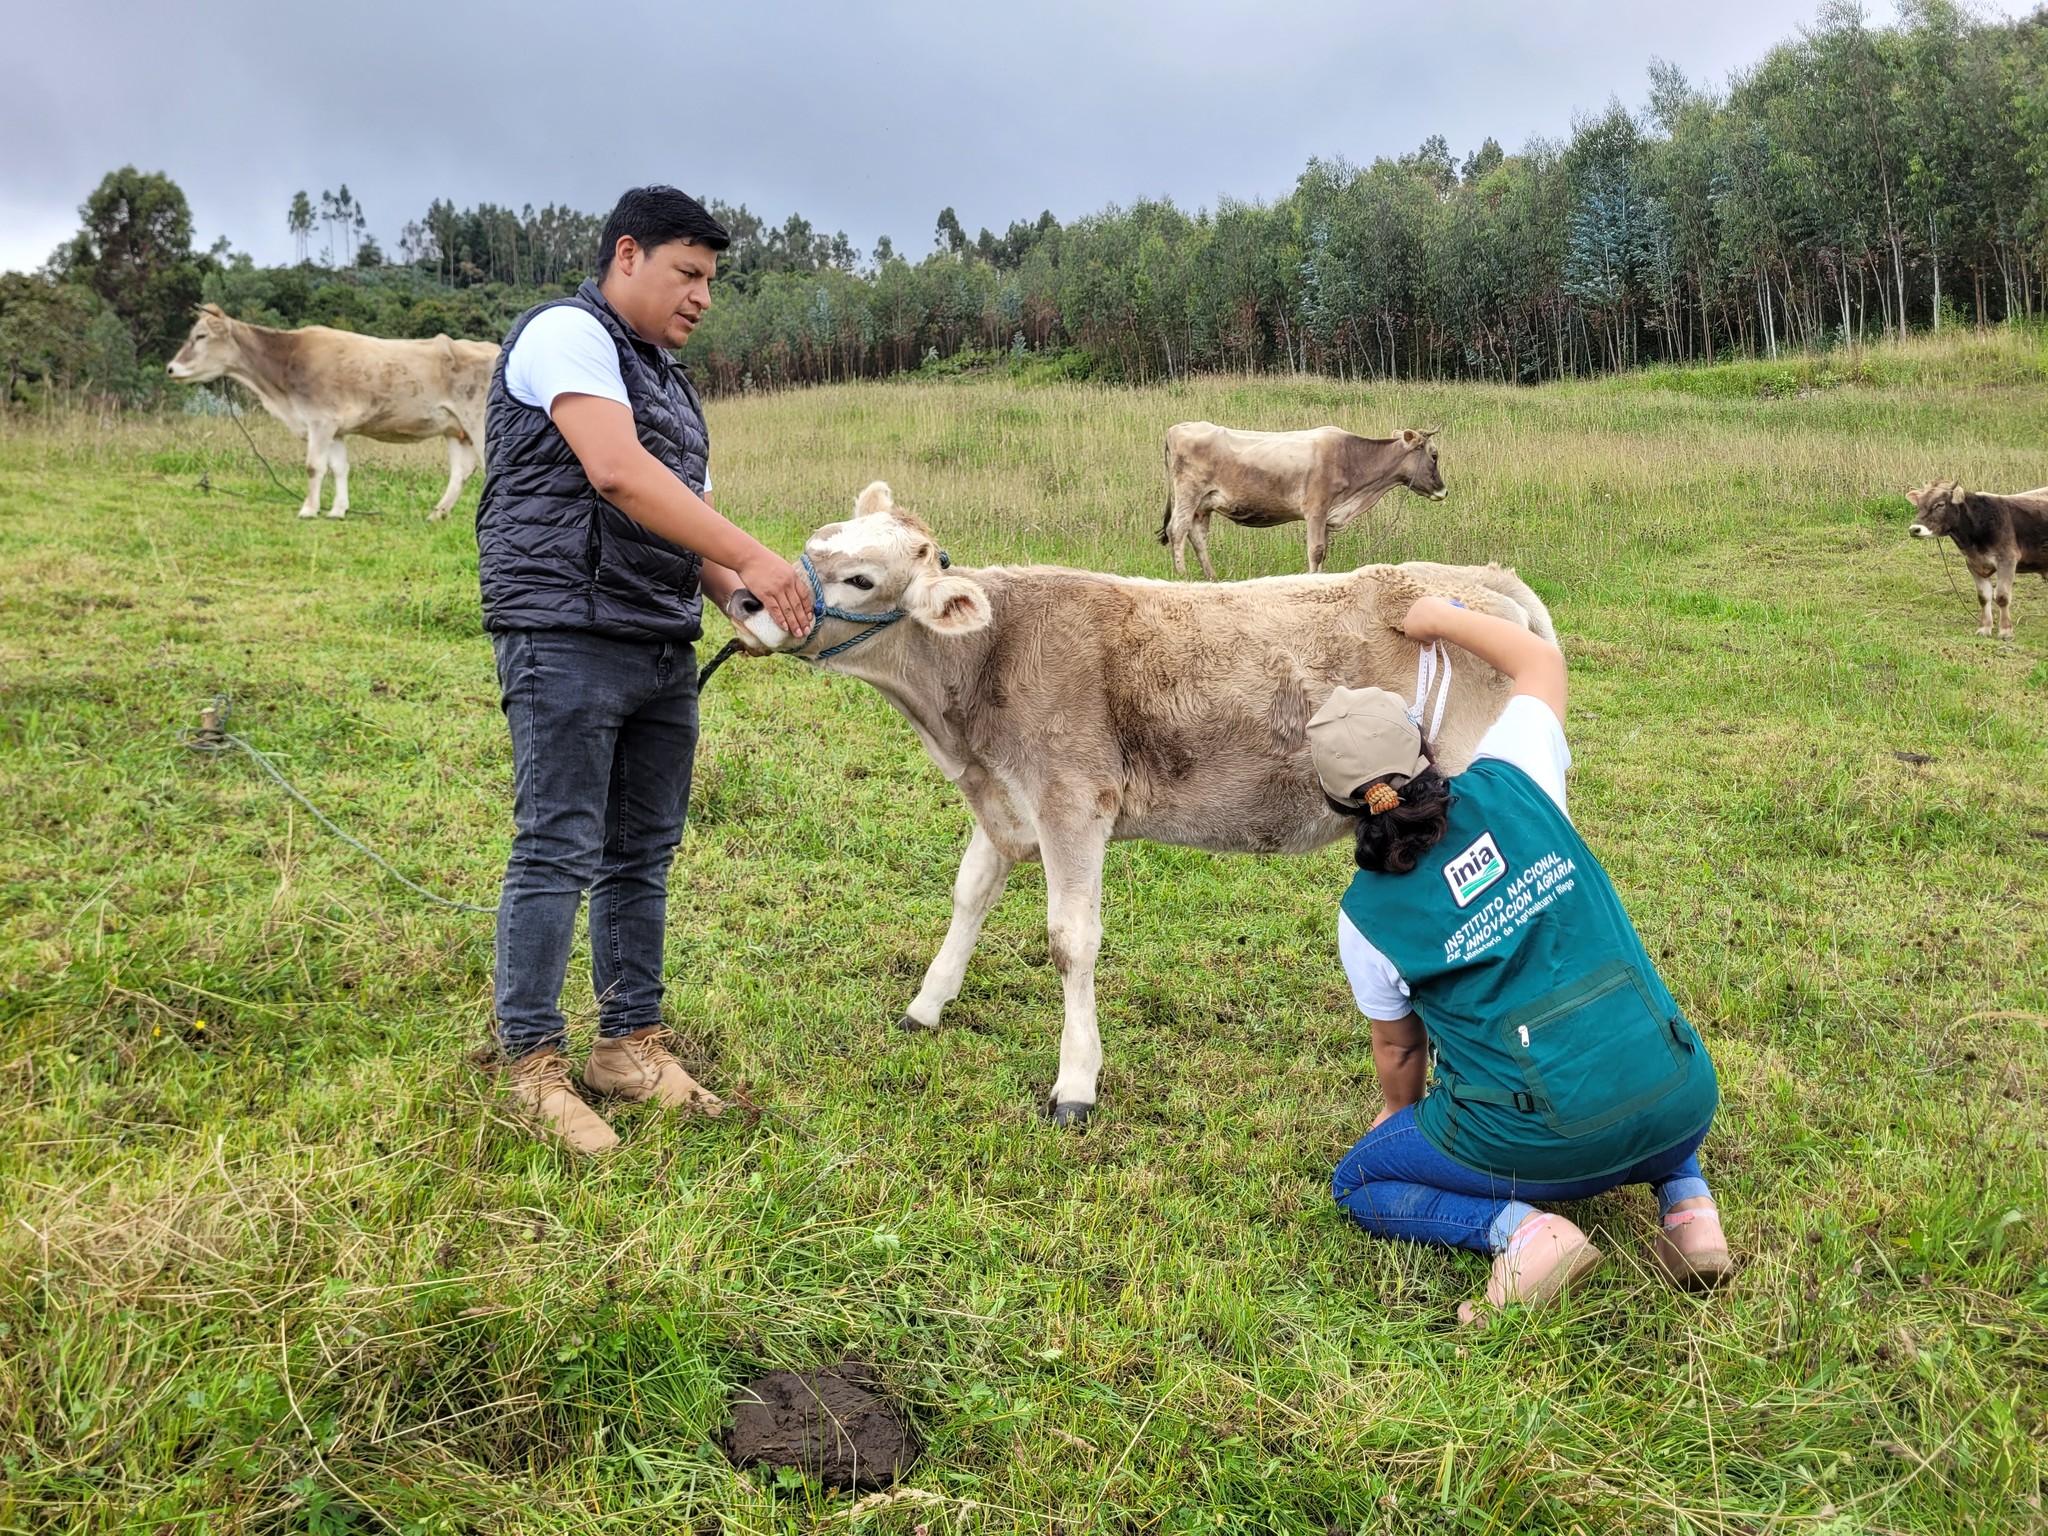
(775, 582)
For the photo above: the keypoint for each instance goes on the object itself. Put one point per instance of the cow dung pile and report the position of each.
(833, 1425)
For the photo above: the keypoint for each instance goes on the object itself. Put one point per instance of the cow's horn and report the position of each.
(1430, 432)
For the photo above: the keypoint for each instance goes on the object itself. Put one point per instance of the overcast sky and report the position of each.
(862, 118)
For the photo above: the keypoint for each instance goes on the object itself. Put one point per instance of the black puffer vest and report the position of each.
(551, 552)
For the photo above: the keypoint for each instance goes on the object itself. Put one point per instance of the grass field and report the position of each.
(274, 1258)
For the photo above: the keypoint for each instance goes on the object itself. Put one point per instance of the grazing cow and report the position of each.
(1998, 535)
(1073, 708)
(326, 384)
(1324, 477)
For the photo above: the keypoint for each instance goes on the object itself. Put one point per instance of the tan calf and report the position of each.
(325, 384)
(1072, 708)
(1325, 477)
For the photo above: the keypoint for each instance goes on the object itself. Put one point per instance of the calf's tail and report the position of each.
(1166, 519)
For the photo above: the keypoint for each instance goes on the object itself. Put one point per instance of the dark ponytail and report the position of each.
(1394, 842)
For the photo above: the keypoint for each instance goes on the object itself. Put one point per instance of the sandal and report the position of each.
(1691, 1249)
(1546, 1257)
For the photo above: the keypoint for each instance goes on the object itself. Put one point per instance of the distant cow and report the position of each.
(1325, 477)
(1073, 708)
(325, 384)
(1998, 535)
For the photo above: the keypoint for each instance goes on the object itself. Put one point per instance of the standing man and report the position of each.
(597, 542)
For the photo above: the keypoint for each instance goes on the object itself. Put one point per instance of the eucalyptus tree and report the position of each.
(299, 221)
(1857, 179)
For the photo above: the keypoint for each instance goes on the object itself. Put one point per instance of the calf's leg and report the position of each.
(318, 441)
(976, 889)
(1073, 911)
(2004, 598)
(1177, 532)
(337, 460)
(1318, 541)
(1198, 530)
(461, 460)
(1987, 594)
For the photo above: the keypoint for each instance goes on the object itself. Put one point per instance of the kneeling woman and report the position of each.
(1479, 924)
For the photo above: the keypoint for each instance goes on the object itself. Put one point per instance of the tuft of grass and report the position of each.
(273, 1256)
(2000, 358)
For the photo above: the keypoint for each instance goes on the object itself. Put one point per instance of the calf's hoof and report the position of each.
(911, 1026)
(308, 512)
(1072, 1116)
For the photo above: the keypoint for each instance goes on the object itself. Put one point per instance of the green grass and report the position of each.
(274, 1257)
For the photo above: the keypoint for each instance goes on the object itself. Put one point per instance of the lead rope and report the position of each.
(1433, 661)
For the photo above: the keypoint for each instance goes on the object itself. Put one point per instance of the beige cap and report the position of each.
(1362, 734)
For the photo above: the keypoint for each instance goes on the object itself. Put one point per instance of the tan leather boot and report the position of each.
(1691, 1249)
(540, 1082)
(641, 1069)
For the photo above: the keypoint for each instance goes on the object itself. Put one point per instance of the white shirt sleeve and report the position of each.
(564, 351)
(1380, 991)
(1528, 735)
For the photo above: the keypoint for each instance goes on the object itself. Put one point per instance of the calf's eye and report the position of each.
(861, 583)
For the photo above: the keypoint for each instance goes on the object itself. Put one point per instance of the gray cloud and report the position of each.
(863, 119)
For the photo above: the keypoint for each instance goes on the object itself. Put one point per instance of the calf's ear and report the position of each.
(948, 604)
(1410, 436)
(876, 498)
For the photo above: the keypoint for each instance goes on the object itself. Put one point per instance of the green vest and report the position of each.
(1559, 1053)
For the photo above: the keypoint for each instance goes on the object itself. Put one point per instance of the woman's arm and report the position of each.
(1400, 1055)
(1535, 664)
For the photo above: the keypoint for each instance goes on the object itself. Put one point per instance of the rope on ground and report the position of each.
(235, 414)
(213, 739)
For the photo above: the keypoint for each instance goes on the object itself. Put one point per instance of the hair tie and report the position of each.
(1381, 798)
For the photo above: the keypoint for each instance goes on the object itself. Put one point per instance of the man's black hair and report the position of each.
(655, 216)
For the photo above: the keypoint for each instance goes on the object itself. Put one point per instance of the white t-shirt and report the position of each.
(1527, 735)
(565, 351)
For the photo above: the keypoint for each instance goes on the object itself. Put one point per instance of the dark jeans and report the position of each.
(1396, 1183)
(603, 735)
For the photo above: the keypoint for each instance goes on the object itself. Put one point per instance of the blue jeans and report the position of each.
(1395, 1183)
(604, 733)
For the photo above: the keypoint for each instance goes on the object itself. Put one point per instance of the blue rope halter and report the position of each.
(820, 609)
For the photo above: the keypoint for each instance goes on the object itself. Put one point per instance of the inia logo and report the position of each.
(1475, 869)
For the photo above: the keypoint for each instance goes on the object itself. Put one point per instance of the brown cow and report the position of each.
(1324, 477)
(1073, 708)
(325, 384)
(1998, 535)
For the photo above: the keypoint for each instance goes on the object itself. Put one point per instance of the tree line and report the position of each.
(1857, 182)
